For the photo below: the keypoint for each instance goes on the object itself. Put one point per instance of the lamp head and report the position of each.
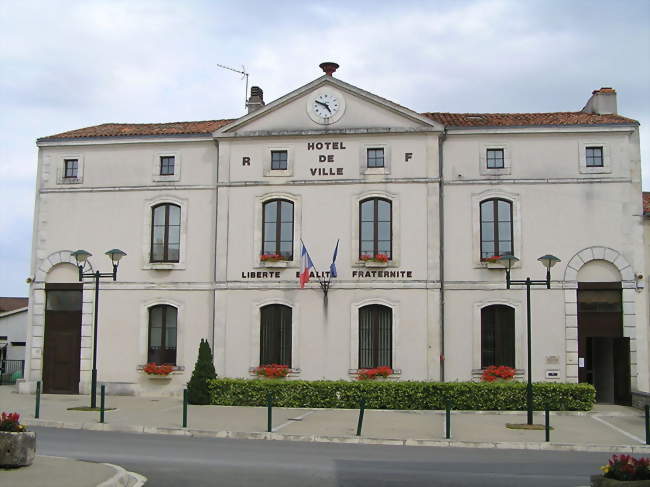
(548, 260)
(115, 255)
(81, 256)
(507, 261)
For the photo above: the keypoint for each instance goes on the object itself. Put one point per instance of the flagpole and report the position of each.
(324, 286)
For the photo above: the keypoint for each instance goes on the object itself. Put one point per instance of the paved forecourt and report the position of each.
(606, 428)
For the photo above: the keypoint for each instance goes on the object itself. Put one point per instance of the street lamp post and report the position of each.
(81, 256)
(547, 261)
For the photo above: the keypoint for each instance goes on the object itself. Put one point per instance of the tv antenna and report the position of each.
(243, 73)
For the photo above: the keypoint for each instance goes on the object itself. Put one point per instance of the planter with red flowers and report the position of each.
(491, 262)
(17, 445)
(271, 371)
(273, 260)
(158, 371)
(623, 471)
(376, 374)
(376, 260)
(498, 373)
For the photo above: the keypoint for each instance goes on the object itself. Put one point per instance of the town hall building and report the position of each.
(213, 216)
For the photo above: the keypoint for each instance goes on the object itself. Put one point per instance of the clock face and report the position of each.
(325, 105)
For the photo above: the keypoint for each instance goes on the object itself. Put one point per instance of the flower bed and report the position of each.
(627, 468)
(481, 396)
(17, 445)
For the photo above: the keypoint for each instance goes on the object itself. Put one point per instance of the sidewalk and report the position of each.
(64, 472)
(607, 428)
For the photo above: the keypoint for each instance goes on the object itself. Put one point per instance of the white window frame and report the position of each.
(159, 178)
(354, 333)
(363, 160)
(254, 350)
(507, 163)
(146, 240)
(513, 198)
(143, 347)
(356, 224)
(605, 168)
(60, 169)
(279, 172)
(257, 233)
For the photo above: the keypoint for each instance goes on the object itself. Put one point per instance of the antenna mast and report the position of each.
(244, 75)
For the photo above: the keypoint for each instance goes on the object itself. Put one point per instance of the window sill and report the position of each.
(502, 171)
(166, 178)
(177, 368)
(353, 373)
(368, 263)
(69, 181)
(164, 266)
(478, 373)
(371, 171)
(492, 265)
(292, 373)
(278, 173)
(595, 170)
(275, 263)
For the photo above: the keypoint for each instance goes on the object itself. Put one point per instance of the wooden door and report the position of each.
(62, 341)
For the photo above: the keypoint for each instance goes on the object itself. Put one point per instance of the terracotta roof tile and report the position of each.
(525, 119)
(136, 129)
(448, 119)
(10, 304)
(646, 203)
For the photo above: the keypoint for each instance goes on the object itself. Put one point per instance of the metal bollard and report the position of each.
(102, 402)
(269, 412)
(184, 408)
(37, 412)
(362, 407)
(547, 424)
(448, 421)
(647, 424)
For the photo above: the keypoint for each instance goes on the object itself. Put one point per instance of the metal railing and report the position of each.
(11, 370)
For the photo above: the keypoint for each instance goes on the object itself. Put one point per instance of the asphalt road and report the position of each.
(188, 462)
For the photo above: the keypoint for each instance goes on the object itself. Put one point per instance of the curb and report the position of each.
(198, 433)
(123, 478)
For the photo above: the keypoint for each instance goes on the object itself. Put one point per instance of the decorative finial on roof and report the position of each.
(329, 67)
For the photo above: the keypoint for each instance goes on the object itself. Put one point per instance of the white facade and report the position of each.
(13, 334)
(435, 176)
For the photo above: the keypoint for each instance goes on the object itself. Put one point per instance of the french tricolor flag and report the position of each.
(305, 265)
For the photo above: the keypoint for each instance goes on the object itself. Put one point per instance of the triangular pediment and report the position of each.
(328, 104)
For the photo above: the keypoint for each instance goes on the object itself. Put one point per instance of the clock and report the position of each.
(325, 106)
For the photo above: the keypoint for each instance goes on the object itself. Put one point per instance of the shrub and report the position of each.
(198, 386)
(11, 422)
(485, 396)
(627, 468)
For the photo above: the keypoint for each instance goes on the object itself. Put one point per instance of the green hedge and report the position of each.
(481, 396)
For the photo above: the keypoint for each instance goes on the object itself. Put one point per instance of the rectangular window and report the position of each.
(167, 164)
(279, 160)
(375, 157)
(594, 156)
(494, 159)
(71, 168)
(275, 335)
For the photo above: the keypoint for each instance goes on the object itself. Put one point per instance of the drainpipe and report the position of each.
(441, 249)
(213, 311)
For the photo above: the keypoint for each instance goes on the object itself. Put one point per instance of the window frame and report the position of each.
(156, 169)
(606, 166)
(163, 333)
(601, 158)
(374, 157)
(164, 168)
(278, 226)
(74, 169)
(375, 230)
(61, 177)
(496, 222)
(484, 170)
(375, 339)
(368, 171)
(165, 259)
(499, 344)
(281, 160)
(268, 161)
(495, 150)
(284, 329)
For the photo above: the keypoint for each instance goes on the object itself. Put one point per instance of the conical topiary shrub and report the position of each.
(197, 387)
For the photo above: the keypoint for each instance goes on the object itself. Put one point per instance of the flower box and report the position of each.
(160, 378)
(274, 263)
(378, 260)
(17, 445)
(600, 481)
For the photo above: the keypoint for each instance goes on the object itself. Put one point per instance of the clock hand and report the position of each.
(324, 104)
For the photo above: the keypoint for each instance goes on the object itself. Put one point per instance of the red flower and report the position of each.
(492, 259)
(272, 370)
(11, 422)
(155, 369)
(271, 257)
(375, 258)
(492, 373)
(372, 374)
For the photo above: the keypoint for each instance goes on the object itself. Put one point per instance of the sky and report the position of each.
(72, 64)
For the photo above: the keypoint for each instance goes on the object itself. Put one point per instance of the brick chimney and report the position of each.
(256, 101)
(602, 102)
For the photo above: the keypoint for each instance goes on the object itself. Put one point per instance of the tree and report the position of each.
(197, 387)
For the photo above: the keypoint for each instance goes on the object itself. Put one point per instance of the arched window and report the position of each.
(497, 336)
(376, 228)
(277, 228)
(275, 335)
(165, 233)
(375, 336)
(496, 228)
(162, 334)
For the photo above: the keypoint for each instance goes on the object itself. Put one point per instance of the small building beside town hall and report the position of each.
(213, 216)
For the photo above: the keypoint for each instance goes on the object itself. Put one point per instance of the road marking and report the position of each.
(293, 420)
(616, 428)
